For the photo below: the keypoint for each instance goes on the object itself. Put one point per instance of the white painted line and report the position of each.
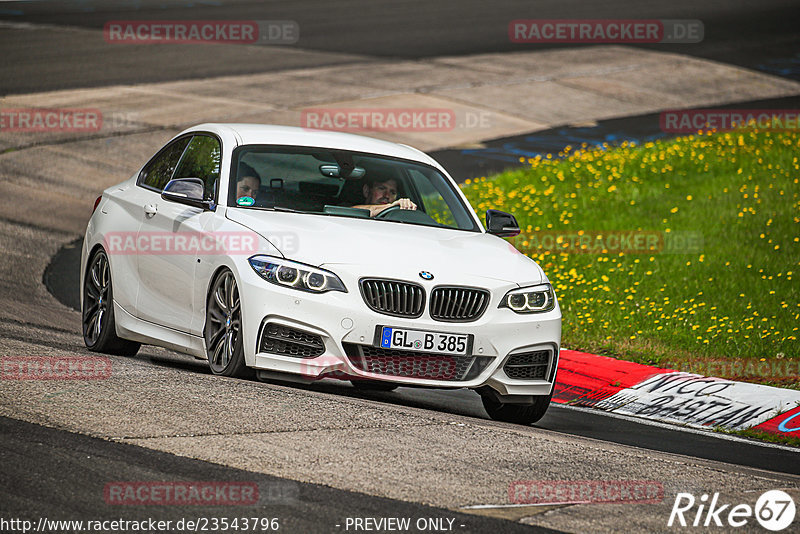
(12, 25)
(491, 506)
(680, 428)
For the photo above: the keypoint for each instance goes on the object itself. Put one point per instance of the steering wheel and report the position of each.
(390, 209)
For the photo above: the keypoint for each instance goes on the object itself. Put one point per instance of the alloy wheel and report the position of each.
(96, 299)
(224, 323)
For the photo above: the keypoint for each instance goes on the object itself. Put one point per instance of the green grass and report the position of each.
(733, 296)
(792, 441)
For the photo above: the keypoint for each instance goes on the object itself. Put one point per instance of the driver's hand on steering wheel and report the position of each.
(404, 204)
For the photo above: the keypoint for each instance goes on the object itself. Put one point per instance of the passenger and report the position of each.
(381, 195)
(248, 182)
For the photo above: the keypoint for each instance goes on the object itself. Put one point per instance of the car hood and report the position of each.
(384, 247)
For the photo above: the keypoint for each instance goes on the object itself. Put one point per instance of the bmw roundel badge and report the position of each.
(425, 275)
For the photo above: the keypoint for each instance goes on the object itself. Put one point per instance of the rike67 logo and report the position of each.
(774, 510)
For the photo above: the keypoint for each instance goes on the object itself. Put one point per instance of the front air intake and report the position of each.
(279, 339)
(528, 365)
(417, 365)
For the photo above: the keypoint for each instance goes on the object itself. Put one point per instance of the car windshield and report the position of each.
(342, 183)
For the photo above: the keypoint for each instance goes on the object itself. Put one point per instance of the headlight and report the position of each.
(295, 275)
(535, 299)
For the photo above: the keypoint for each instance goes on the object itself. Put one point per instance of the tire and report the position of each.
(223, 328)
(522, 414)
(373, 385)
(97, 318)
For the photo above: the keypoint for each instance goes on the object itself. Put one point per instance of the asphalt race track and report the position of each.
(60, 462)
(357, 30)
(324, 454)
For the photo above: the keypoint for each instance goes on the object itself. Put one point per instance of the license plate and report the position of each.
(422, 341)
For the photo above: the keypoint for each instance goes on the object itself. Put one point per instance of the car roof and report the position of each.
(268, 134)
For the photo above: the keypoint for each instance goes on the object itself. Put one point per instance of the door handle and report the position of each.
(150, 209)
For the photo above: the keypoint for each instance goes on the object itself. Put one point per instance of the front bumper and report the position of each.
(347, 330)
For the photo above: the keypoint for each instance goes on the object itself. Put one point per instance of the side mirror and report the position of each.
(189, 191)
(501, 224)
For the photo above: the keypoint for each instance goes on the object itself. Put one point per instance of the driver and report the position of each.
(381, 195)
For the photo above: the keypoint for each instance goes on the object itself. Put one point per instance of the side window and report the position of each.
(432, 201)
(159, 171)
(201, 160)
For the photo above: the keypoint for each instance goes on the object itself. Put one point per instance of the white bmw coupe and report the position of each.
(286, 253)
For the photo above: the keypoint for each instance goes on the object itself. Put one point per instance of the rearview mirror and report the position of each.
(189, 191)
(331, 170)
(501, 224)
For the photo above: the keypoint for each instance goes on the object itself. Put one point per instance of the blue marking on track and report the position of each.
(554, 142)
(788, 67)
